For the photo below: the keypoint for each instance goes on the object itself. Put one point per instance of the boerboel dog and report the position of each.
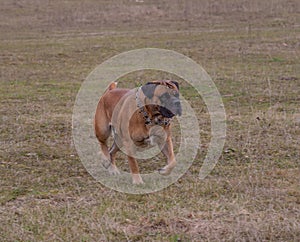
(135, 117)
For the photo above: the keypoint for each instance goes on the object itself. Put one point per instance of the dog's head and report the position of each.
(165, 95)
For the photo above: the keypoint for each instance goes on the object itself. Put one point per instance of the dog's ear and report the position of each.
(176, 84)
(149, 89)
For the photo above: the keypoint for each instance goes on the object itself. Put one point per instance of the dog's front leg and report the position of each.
(169, 153)
(133, 165)
(134, 169)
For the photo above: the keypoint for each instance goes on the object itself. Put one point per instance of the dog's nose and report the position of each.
(177, 103)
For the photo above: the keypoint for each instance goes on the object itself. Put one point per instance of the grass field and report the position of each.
(251, 49)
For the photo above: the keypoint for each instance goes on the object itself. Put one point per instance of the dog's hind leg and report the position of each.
(105, 154)
(102, 134)
(112, 152)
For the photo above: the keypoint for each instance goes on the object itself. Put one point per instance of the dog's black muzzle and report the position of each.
(171, 108)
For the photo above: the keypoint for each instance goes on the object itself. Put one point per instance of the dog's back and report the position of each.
(110, 99)
(105, 108)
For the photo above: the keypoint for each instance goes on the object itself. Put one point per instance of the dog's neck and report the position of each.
(149, 120)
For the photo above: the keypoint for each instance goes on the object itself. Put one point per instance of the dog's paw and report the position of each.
(164, 171)
(137, 179)
(113, 170)
(106, 164)
(105, 161)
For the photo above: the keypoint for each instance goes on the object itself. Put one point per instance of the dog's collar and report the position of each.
(148, 120)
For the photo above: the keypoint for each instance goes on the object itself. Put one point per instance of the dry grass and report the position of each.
(251, 50)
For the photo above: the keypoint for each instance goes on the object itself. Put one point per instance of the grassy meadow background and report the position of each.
(251, 49)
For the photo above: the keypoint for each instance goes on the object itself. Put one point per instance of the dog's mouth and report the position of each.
(166, 112)
(170, 112)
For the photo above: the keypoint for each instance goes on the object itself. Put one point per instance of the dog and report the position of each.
(136, 117)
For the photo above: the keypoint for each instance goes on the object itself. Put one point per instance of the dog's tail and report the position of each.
(111, 86)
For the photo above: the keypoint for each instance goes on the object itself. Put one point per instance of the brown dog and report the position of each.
(136, 117)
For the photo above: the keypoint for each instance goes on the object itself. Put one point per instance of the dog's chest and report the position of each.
(155, 136)
(141, 139)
